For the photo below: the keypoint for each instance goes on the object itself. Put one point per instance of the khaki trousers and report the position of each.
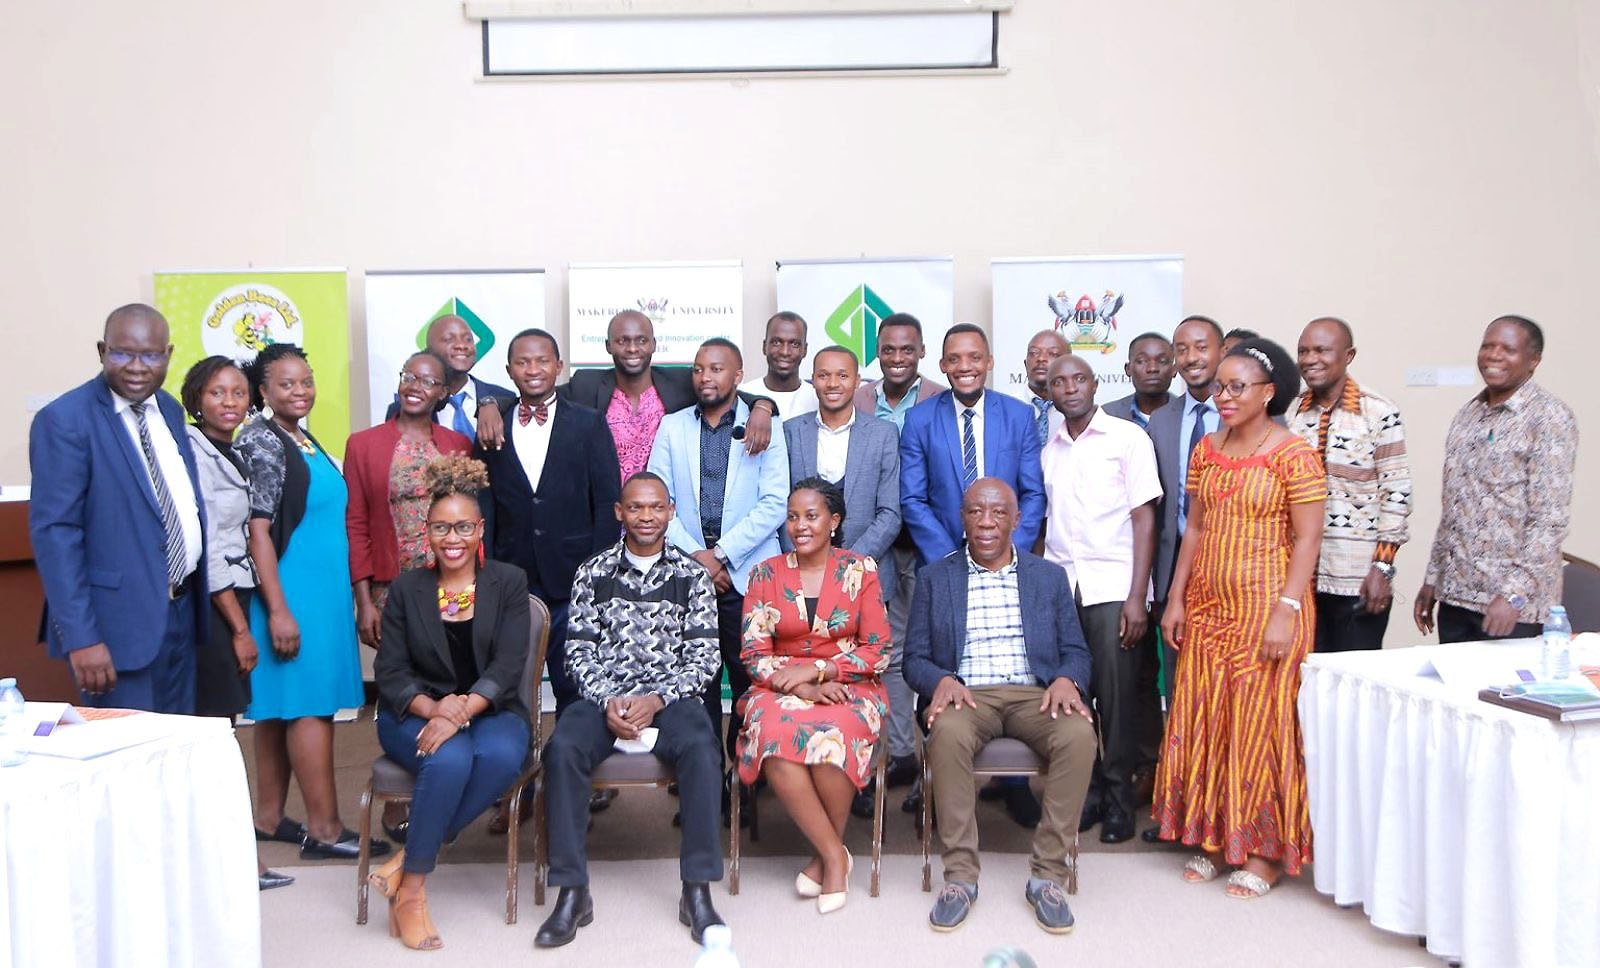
(1067, 744)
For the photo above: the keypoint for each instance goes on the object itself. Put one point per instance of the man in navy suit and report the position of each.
(452, 340)
(552, 489)
(995, 647)
(117, 526)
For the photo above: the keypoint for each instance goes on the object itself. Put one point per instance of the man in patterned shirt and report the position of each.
(641, 646)
(1362, 441)
(1509, 457)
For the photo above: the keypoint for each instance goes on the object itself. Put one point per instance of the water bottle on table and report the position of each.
(13, 724)
(1555, 657)
(718, 950)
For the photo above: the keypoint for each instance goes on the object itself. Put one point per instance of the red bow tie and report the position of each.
(537, 411)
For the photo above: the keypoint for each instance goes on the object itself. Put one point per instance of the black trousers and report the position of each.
(1345, 625)
(555, 656)
(1457, 624)
(1126, 712)
(730, 622)
(686, 743)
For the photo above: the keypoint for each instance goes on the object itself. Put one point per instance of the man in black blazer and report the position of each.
(551, 490)
(994, 645)
(450, 339)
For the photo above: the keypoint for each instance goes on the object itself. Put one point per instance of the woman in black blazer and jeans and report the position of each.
(450, 662)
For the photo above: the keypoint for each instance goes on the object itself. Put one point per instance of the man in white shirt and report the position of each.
(785, 349)
(1101, 484)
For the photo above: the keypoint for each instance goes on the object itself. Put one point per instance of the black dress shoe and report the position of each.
(1117, 828)
(397, 832)
(695, 910)
(574, 909)
(902, 771)
(862, 803)
(287, 832)
(912, 803)
(601, 799)
(267, 880)
(1092, 814)
(347, 847)
(1023, 806)
(1152, 835)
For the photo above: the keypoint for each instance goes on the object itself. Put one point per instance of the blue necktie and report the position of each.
(969, 452)
(461, 424)
(1043, 419)
(1197, 431)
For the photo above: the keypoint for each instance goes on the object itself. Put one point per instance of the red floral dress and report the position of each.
(850, 629)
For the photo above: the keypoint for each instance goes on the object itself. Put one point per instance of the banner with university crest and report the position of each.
(844, 300)
(239, 312)
(687, 303)
(495, 303)
(1098, 303)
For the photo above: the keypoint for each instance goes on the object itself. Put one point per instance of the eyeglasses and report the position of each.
(407, 378)
(442, 529)
(124, 357)
(1235, 388)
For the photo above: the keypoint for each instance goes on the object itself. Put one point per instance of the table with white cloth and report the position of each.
(1448, 817)
(143, 856)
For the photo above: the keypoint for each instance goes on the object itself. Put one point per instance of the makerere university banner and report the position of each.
(844, 300)
(687, 303)
(1098, 303)
(495, 303)
(239, 312)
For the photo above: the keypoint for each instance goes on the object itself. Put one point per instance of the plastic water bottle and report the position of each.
(718, 950)
(1556, 656)
(13, 724)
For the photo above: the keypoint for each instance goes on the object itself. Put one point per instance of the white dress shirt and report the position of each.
(532, 442)
(791, 403)
(1091, 487)
(977, 428)
(833, 446)
(173, 470)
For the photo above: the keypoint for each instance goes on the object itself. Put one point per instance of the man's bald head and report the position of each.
(135, 351)
(631, 341)
(138, 313)
(986, 489)
(452, 340)
(988, 517)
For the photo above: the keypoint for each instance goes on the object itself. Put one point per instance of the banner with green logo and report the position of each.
(496, 304)
(844, 300)
(238, 312)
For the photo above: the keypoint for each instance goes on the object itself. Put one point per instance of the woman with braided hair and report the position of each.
(450, 662)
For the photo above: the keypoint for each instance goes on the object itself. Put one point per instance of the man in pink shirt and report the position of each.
(1101, 485)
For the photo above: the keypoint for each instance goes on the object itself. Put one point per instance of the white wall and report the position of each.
(1417, 168)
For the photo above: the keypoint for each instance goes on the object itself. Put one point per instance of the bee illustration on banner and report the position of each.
(1086, 325)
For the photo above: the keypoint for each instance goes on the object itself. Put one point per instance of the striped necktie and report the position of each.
(177, 556)
(969, 451)
(1042, 418)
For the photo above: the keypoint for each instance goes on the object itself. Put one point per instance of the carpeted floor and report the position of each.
(1132, 908)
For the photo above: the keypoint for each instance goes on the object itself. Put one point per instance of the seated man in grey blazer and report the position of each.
(861, 454)
(994, 645)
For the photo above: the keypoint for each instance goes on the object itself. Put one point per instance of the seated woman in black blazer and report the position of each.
(454, 647)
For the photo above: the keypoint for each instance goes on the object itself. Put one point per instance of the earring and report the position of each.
(833, 534)
(480, 554)
(429, 558)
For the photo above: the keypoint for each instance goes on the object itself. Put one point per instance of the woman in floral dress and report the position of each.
(816, 639)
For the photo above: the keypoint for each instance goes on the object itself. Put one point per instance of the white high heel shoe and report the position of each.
(808, 888)
(829, 903)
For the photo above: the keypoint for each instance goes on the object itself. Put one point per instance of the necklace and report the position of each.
(1267, 433)
(459, 602)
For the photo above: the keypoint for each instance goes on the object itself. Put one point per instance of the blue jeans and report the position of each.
(459, 781)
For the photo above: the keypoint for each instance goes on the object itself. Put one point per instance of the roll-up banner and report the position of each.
(687, 303)
(1098, 303)
(844, 300)
(239, 312)
(495, 303)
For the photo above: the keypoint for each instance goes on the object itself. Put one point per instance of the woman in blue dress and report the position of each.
(303, 609)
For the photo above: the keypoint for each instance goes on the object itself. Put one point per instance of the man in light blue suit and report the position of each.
(729, 504)
(959, 436)
(118, 527)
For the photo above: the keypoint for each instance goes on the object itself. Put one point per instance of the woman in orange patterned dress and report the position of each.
(1232, 776)
(816, 640)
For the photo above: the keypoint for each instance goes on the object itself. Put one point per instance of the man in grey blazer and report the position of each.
(1150, 368)
(860, 453)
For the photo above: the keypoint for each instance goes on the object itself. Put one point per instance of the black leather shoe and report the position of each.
(1152, 835)
(574, 909)
(347, 847)
(601, 799)
(267, 880)
(287, 832)
(1022, 805)
(912, 803)
(902, 771)
(861, 804)
(695, 910)
(1117, 828)
(1092, 814)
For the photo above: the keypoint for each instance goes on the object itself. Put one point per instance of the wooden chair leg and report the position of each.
(1072, 867)
(733, 833)
(541, 843)
(927, 826)
(364, 858)
(878, 797)
(511, 854)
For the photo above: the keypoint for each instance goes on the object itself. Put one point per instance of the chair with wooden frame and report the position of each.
(391, 781)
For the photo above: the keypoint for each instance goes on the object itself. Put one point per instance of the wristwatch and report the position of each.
(1385, 569)
(822, 670)
(1517, 600)
(722, 556)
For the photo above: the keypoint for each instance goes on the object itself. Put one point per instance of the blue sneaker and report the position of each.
(1049, 905)
(954, 904)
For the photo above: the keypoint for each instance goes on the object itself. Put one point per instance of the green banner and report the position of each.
(237, 313)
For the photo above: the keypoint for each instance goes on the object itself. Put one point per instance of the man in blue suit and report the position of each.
(963, 434)
(452, 340)
(729, 503)
(994, 645)
(117, 526)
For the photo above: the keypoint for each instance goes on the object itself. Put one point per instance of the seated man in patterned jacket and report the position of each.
(641, 646)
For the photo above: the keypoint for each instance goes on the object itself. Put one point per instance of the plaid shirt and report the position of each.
(1507, 502)
(639, 634)
(995, 654)
(1362, 441)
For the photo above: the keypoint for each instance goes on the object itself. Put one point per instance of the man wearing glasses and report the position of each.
(116, 525)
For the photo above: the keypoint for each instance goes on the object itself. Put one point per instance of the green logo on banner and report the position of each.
(455, 307)
(854, 324)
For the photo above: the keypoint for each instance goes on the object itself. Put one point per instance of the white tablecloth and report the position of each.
(140, 857)
(1446, 816)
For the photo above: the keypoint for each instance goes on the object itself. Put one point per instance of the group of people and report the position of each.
(878, 568)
